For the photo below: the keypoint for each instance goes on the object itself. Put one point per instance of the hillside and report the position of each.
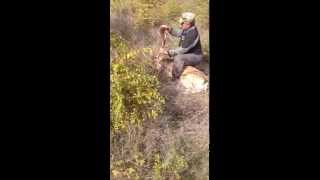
(159, 130)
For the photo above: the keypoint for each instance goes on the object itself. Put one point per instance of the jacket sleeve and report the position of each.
(191, 39)
(176, 32)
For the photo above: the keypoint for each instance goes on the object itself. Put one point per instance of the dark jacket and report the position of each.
(189, 41)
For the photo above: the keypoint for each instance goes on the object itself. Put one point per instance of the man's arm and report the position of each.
(175, 32)
(172, 31)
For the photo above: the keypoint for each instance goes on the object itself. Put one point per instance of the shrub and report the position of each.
(134, 92)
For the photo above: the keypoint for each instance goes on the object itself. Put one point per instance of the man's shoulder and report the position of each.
(192, 30)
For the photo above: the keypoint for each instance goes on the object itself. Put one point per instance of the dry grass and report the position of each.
(187, 115)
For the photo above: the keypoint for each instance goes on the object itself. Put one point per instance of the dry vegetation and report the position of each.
(157, 131)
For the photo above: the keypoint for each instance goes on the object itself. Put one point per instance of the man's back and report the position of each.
(188, 38)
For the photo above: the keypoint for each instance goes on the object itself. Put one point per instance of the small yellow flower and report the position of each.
(130, 170)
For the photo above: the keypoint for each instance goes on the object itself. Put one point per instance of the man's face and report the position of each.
(185, 25)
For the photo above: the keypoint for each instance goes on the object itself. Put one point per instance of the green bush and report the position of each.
(134, 92)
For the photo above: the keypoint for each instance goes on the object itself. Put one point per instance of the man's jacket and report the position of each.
(189, 41)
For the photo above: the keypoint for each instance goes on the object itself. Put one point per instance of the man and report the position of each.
(189, 52)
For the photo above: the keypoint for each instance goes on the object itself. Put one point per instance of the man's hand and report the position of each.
(163, 51)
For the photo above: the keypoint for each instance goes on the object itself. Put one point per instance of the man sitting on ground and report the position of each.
(189, 52)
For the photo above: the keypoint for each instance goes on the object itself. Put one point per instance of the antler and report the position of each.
(163, 37)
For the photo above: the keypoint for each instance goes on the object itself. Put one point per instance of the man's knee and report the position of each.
(188, 58)
(178, 58)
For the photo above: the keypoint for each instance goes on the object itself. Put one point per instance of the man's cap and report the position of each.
(187, 17)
